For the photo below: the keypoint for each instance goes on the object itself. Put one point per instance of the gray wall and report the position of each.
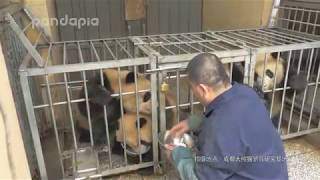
(162, 16)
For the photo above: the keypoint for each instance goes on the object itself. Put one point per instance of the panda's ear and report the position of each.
(275, 55)
(143, 121)
(130, 77)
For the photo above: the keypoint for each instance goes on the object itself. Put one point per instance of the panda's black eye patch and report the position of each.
(256, 76)
(143, 121)
(130, 77)
(269, 73)
(146, 97)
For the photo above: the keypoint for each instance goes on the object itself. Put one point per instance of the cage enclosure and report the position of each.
(54, 74)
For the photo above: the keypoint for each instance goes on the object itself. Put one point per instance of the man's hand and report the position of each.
(169, 149)
(179, 129)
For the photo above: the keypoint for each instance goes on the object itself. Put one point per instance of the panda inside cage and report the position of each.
(107, 99)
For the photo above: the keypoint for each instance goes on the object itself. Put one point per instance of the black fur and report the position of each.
(99, 97)
(146, 97)
(130, 77)
(238, 72)
(142, 122)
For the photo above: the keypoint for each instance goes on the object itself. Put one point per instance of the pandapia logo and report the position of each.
(66, 21)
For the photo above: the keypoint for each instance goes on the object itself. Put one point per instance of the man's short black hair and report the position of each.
(207, 69)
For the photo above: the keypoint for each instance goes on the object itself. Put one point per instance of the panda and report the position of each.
(127, 134)
(100, 96)
(271, 74)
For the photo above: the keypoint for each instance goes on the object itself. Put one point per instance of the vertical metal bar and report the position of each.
(162, 115)
(105, 115)
(137, 109)
(53, 118)
(70, 112)
(191, 100)
(305, 91)
(314, 62)
(295, 19)
(274, 84)
(284, 89)
(231, 71)
(86, 95)
(92, 48)
(247, 69)
(33, 124)
(122, 113)
(264, 68)
(178, 95)
(273, 13)
(302, 16)
(252, 65)
(315, 22)
(308, 20)
(153, 65)
(314, 97)
(289, 16)
(294, 94)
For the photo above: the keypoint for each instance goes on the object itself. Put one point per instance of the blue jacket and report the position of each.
(236, 141)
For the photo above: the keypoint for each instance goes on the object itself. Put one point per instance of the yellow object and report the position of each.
(164, 87)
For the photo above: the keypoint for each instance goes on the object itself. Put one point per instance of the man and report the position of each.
(236, 137)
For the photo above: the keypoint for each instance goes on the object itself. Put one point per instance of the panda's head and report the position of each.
(270, 72)
(141, 83)
(128, 127)
(129, 83)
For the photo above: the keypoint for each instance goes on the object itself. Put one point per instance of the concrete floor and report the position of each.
(303, 157)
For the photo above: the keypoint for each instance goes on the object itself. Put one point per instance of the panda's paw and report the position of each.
(101, 96)
(298, 82)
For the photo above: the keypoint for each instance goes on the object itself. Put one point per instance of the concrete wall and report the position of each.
(13, 163)
(233, 14)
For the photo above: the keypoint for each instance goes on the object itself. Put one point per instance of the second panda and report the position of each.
(270, 73)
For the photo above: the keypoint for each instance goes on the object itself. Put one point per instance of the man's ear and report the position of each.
(204, 89)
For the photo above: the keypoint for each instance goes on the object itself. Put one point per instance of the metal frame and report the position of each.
(243, 48)
(162, 53)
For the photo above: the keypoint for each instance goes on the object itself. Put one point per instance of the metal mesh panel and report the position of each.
(14, 53)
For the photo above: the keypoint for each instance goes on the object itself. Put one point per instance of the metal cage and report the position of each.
(62, 68)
